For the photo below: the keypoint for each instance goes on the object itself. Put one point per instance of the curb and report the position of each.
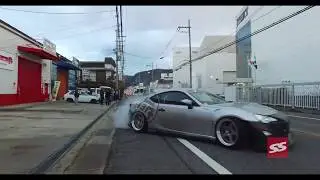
(93, 155)
(57, 155)
(109, 152)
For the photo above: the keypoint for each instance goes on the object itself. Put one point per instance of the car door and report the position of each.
(175, 115)
(198, 121)
(171, 110)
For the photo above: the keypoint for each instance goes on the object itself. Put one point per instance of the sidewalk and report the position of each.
(23, 106)
(29, 135)
(93, 156)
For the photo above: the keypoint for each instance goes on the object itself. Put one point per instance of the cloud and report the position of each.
(148, 29)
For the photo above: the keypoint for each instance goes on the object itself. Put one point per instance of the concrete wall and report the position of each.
(209, 71)
(180, 55)
(289, 51)
(8, 45)
(205, 71)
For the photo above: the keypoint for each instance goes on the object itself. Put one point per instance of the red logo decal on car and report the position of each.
(277, 147)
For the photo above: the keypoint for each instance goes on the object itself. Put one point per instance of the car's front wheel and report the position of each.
(231, 132)
(139, 123)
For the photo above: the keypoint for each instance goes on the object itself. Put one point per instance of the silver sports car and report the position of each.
(195, 113)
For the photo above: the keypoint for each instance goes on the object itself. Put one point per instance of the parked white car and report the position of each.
(83, 97)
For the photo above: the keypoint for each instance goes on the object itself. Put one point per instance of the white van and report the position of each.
(96, 91)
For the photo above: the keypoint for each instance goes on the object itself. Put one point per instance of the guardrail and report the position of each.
(294, 95)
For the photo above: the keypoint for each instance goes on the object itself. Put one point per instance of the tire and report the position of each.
(70, 100)
(238, 132)
(138, 122)
(93, 101)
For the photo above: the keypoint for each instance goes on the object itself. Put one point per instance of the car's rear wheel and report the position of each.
(231, 132)
(70, 100)
(139, 123)
(93, 101)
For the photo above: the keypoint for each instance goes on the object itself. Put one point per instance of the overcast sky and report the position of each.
(91, 36)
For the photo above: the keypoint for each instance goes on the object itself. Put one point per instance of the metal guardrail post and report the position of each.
(293, 97)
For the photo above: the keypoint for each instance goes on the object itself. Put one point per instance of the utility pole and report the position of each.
(189, 33)
(122, 42)
(117, 49)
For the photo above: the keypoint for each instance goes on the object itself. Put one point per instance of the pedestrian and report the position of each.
(108, 97)
(101, 96)
(76, 96)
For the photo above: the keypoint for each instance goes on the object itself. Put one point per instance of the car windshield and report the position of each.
(207, 98)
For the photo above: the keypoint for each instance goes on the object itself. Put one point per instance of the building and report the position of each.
(211, 73)
(64, 71)
(287, 52)
(25, 67)
(181, 76)
(145, 77)
(98, 71)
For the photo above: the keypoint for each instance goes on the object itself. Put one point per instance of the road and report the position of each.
(135, 153)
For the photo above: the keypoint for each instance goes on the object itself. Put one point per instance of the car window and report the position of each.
(71, 92)
(155, 98)
(207, 98)
(173, 97)
(84, 94)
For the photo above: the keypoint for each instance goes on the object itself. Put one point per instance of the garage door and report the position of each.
(29, 81)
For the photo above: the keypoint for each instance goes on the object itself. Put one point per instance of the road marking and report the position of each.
(304, 132)
(210, 162)
(305, 117)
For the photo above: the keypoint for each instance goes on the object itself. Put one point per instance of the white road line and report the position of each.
(305, 117)
(210, 162)
(304, 132)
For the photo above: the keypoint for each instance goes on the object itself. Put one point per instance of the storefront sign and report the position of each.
(49, 47)
(6, 61)
(55, 90)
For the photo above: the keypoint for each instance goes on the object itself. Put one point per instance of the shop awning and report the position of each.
(66, 65)
(38, 52)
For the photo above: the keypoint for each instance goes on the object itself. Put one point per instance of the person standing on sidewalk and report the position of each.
(101, 96)
(108, 97)
(76, 96)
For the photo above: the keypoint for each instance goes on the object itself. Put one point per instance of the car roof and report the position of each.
(156, 91)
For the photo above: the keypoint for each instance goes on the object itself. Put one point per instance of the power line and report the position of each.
(143, 57)
(252, 34)
(73, 35)
(231, 34)
(93, 30)
(55, 13)
(168, 44)
(58, 30)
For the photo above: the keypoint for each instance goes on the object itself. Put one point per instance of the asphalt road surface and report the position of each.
(135, 153)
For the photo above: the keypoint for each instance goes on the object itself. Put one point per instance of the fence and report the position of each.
(294, 95)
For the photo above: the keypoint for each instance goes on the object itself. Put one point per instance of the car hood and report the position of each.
(254, 108)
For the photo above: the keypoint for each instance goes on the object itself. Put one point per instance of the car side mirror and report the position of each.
(187, 102)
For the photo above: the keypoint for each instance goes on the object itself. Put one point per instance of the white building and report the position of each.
(288, 51)
(181, 77)
(24, 67)
(211, 73)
